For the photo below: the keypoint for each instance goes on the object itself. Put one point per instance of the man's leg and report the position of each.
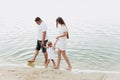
(48, 61)
(35, 55)
(38, 46)
(46, 57)
(44, 50)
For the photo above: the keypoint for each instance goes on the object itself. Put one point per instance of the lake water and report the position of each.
(90, 47)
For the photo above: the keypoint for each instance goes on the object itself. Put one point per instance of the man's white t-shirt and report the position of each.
(42, 28)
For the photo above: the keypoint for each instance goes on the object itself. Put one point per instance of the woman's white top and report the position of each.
(51, 53)
(62, 42)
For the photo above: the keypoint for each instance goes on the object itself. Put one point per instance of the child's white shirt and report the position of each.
(51, 53)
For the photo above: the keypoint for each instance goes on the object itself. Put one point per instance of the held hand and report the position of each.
(55, 44)
(42, 44)
(54, 48)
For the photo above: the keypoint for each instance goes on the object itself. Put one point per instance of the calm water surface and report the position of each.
(93, 47)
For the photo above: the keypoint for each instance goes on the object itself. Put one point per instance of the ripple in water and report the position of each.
(90, 47)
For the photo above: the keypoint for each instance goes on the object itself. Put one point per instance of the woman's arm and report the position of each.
(64, 34)
(56, 42)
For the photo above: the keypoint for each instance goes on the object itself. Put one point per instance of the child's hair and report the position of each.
(49, 44)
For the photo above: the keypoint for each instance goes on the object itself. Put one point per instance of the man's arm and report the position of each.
(43, 38)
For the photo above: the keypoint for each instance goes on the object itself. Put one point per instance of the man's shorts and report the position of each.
(39, 46)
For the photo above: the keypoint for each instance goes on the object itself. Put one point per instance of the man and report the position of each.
(41, 40)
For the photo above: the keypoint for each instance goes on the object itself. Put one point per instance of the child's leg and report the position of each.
(53, 62)
(48, 61)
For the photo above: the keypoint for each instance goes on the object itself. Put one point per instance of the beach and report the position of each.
(91, 53)
(31, 73)
(93, 47)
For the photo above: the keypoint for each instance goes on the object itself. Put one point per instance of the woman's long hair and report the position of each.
(60, 21)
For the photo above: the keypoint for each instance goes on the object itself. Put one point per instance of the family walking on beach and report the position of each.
(47, 46)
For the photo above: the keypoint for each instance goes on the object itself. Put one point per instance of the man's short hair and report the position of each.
(37, 19)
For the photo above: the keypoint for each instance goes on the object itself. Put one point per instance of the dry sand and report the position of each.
(27, 73)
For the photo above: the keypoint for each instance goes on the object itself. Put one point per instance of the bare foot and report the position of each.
(45, 65)
(69, 68)
(56, 67)
(31, 60)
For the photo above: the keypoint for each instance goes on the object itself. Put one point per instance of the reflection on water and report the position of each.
(89, 46)
(31, 64)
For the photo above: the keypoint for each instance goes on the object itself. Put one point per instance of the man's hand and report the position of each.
(42, 44)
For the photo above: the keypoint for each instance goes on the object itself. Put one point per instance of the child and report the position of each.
(50, 51)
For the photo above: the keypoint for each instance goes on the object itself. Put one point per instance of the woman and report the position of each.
(61, 39)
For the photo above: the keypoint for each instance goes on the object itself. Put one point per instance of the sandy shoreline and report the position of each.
(27, 73)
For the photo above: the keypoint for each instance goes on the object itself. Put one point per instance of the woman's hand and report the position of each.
(58, 37)
(54, 44)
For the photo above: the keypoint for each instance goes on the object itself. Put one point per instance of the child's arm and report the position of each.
(53, 48)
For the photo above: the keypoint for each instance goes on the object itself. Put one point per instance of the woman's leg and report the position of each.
(67, 60)
(59, 59)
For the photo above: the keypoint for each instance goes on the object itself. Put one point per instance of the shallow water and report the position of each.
(90, 47)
